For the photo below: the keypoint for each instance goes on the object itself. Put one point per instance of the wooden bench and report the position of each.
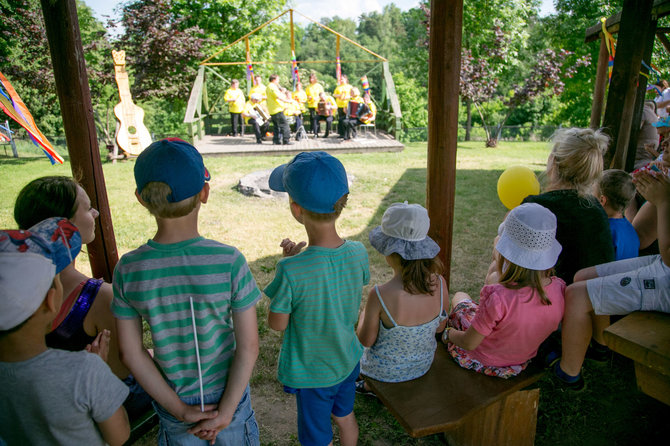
(644, 337)
(469, 407)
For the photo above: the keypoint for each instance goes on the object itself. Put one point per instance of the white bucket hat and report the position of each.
(528, 237)
(404, 230)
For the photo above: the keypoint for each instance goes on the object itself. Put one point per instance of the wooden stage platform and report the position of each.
(219, 145)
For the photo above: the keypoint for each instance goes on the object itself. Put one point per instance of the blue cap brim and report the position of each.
(276, 180)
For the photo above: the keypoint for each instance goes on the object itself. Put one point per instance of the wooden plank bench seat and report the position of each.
(469, 407)
(644, 337)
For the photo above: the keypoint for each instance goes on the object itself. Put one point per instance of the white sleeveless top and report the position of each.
(402, 353)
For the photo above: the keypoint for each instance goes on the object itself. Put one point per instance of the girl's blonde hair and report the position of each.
(515, 277)
(577, 157)
(417, 275)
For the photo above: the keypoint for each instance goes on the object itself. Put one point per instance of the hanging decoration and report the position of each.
(250, 68)
(611, 47)
(338, 70)
(365, 83)
(12, 104)
(296, 75)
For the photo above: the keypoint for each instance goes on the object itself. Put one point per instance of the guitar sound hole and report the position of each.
(132, 130)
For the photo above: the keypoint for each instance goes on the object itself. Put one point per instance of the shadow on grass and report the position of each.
(609, 412)
(11, 161)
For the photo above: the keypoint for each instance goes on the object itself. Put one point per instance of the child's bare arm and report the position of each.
(468, 339)
(368, 324)
(246, 352)
(137, 359)
(115, 430)
(278, 321)
(656, 189)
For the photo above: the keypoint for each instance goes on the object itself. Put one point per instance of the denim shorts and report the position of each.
(242, 430)
(316, 405)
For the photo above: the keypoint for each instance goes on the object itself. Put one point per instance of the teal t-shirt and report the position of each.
(321, 289)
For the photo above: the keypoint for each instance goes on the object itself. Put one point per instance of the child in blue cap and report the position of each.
(50, 396)
(157, 281)
(315, 297)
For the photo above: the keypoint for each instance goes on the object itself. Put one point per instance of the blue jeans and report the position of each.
(242, 430)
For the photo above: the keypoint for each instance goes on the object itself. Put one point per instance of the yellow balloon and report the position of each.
(515, 184)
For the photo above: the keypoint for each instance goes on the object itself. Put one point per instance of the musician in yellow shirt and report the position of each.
(325, 108)
(369, 117)
(342, 95)
(235, 99)
(253, 114)
(276, 102)
(356, 110)
(313, 90)
(258, 88)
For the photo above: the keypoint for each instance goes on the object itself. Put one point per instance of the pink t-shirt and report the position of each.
(514, 323)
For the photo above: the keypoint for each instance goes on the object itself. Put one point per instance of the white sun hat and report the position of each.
(528, 237)
(404, 230)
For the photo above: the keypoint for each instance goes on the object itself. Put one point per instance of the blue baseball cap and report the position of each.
(174, 162)
(314, 180)
(29, 261)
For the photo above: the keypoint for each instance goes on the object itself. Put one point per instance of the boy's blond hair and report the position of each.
(338, 206)
(155, 198)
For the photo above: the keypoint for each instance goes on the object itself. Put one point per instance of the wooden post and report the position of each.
(600, 86)
(67, 58)
(446, 28)
(640, 94)
(635, 20)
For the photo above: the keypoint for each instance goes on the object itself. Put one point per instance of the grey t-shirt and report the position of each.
(56, 398)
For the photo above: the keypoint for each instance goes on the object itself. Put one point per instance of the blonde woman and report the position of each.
(574, 165)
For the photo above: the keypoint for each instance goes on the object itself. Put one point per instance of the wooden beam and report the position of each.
(635, 21)
(284, 62)
(444, 66)
(244, 36)
(345, 37)
(595, 31)
(640, 95)
(664, 40)
(660, 8)
(67, 58)
(602, 76)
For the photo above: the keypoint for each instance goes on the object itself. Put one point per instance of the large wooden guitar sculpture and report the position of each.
(131, 134)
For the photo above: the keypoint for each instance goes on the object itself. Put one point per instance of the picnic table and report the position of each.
(644, 337)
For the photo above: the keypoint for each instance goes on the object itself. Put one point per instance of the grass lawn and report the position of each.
(610, 411)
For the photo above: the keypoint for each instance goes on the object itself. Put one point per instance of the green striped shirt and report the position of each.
(155, 281)
(321, 289)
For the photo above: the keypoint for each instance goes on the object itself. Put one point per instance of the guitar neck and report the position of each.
(124, 85)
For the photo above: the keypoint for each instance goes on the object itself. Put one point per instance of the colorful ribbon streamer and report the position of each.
(338, 70)
(250, 68)
(12, 104)
(366, 84)
(296, 75)
(611, 47)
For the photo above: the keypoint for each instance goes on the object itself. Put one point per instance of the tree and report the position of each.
(565, 29)
(161, 51)
(479, 85)
(25, 59)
